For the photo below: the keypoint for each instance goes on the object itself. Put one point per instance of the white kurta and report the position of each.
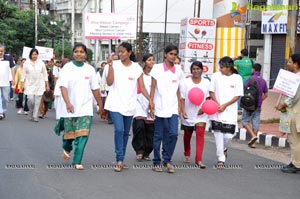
(226, 88)
(191, 109)
(122, 94)
(34, 76)
(79, 82)
(5, 73)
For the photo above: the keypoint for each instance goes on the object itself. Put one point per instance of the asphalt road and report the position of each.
(31, 167)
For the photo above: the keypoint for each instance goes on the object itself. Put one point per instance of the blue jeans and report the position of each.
(4, 94)
(253, 117)
(122, 126)
(165, 133)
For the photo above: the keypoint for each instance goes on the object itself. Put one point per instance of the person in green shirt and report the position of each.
(244, 65)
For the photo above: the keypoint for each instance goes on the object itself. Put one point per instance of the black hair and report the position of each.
(146, 56)
(256, 67)
(171, 47)
(296, 58)
(178, 59)
(32, 51)
(128, 47)
(196, 63)
(228, 63)
(244, 52)
(80, 45)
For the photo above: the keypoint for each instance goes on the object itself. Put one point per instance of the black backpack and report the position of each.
(250, 98)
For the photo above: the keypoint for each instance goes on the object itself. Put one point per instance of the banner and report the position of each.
(110, 26)
(197, 43)
(287, 83)
(45, 53)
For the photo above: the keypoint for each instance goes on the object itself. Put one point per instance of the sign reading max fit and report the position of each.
(275, 22)
(110, 26)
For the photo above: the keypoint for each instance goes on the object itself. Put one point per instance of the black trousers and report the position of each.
(19, 102)
(142, 140)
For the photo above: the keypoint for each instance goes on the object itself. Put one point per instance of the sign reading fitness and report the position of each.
(110, 26)
(275, 22)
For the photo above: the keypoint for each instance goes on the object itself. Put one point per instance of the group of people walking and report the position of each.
(151, 99)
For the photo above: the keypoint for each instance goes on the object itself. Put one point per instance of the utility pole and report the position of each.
(140, 42)
(199, 7)
(97, 41)
(166, 21)
(35, 23)
(73, 22)
(112, 11)
(291, 36)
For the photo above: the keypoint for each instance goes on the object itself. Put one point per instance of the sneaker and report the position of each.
(290, 169)
(20, 111)
(1, 116)
(25, 113)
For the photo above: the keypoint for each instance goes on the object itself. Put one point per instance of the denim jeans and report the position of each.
(122, 126)
(4, 94)
(165, 133)
(252, 117)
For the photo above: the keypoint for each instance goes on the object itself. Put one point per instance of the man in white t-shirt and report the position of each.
(6, 75)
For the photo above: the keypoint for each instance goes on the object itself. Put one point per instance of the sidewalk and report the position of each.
(269, 134)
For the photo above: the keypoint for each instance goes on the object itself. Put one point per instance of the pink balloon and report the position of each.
(196, 96)
(210, 107)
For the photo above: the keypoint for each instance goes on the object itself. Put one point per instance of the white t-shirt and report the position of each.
(122, 94)
(142, 102)
(5, 73)
(226, 88)
(56, 71)
(191, 109)
(167, 84)
(99, 80)
(79, 82)
(35, 76)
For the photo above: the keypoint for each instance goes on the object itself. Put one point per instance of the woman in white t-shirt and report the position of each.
(226, 88)
(192, 117)
(143, 124)
(166, 78)
(78, 86)
(122, 78)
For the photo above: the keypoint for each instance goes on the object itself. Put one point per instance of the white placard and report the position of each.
(197, 42)
(110, 26)
(45, 53)
(287, 83)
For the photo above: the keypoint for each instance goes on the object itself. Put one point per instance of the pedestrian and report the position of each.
(226, 88)
(143, 124)
(123, 77)
(193, 118)
(104, 87)
(243, 65)
(166, 78)
(251, 119)
(291, 124)
(20, 103)
(34, 81)
(78, 86)
(6, 77)
(59, 103)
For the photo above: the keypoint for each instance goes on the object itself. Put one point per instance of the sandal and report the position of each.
(252, 141)
(157, 168)
(139, 157)
(170, 168)
(66, 156)
(147, 158)
(79, 167)
(220, 165)
(187, 159)
(118, 167)
(201, 165)
(124, 166)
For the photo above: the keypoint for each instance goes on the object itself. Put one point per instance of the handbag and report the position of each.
(16, 90)
(223, 128)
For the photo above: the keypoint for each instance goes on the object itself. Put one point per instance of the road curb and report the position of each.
(263, 138)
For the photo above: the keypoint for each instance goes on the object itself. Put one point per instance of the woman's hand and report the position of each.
(200, 112)
(70, 108)
(222, 108)
(100, 110)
